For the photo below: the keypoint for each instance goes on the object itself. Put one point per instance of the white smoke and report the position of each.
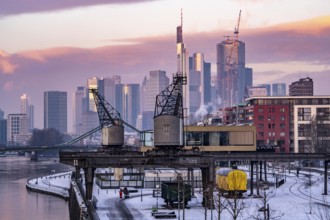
(201, 112)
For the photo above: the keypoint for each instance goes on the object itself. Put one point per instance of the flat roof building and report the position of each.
(285, 121)
(302, 87)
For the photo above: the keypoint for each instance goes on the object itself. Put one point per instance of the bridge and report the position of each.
(206, 161)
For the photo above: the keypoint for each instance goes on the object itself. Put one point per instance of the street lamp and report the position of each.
(157, 187)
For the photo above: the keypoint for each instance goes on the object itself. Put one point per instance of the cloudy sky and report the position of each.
(57, 45)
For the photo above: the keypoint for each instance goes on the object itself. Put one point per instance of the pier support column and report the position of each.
(265, 169)
(191, 180)
(77, 176)
(208, 185)
(260, 173)
(89, 180)
(251, 178)
(257, 177)
(325, 177)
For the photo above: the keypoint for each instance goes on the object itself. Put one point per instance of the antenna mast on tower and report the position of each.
(181, 18)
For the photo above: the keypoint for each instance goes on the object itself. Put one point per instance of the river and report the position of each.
(16, 203)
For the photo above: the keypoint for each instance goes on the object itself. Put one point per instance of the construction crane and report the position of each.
(234, 42)
(236, 30)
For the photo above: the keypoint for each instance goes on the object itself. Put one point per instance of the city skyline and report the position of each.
(285, 40)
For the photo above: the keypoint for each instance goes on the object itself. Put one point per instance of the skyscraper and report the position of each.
(27, 109)
(92, 83)
(127, 102)
(302, 87)
(182, 65)
(24, 104)
(55, 110)
(106, 87)
(278, 89)
(196, 82)
(150, 88)
(249, 77)
(79, 99)
(3, 129)
(231, 80)
(199, 82)
(207, 83)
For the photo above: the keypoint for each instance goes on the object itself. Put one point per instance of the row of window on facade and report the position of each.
(271, 118)
(306, 130)
(305, 114)
(271, 126)
(271, 134)
(302, 101)
(271, 110)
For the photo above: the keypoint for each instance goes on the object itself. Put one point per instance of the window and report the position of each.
(282, 126)
(282, 117)
(304, 114)
(282, 134)
(282, 110)
(260, 117)
(260, 126)
(260, 110)
(304, 130)
(261, 134)
(323, 114)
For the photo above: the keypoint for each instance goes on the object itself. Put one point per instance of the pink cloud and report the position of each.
(31, 6)
(5, 66)
(281, 43)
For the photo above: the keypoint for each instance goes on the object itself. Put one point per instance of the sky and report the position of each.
(46, 46)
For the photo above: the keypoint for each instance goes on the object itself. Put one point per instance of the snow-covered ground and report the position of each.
(57, 184)
(295, 199)
(290, 201)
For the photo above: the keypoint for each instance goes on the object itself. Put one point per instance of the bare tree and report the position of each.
(317, 134)
(322, 211)
(235, 204)
(263, 209)
(219, 202)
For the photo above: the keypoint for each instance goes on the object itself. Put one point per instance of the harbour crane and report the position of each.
(110, 120)
(168, 117)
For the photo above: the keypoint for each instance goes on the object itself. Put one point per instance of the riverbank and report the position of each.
(56, 185)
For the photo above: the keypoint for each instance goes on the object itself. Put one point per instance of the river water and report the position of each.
(16, 203)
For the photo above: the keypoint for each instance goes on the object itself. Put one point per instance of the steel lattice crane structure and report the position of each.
(168, 117)
(169, 101)
(110, 120)
(108, 115)
(233, 41)
(236, 31)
